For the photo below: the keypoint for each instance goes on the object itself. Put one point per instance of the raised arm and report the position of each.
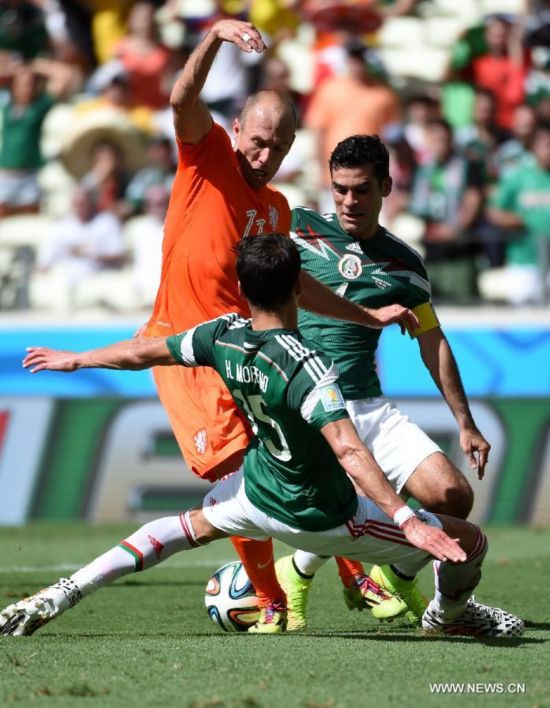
(192, 119)
(361, 467)
(439, 360)
(130, 354)
(317, 297)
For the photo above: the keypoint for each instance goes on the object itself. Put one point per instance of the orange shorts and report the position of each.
(210, 429)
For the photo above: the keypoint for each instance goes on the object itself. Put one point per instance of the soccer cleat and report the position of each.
(476, 621)
(365, 593)
(405, 590)
(272, 620)
(296, 589)
(26, 616)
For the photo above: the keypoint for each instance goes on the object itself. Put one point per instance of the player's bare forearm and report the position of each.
(360, 465)
(318, 298)
(192, 119)
(440, 362)
(131, 354)
(362, 468)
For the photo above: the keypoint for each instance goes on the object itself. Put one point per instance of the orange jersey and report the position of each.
(211, 208)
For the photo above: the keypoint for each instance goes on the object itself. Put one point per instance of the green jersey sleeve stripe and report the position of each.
(181, 347)
(235, 321)
(311, 361)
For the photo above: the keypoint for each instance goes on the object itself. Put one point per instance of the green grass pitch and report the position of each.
(146, 640)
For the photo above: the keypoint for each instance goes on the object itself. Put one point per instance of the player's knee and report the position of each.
(471, 538)
(203, 530)
(460, 498)
(443, 489)
(465, 500)
(454, 499)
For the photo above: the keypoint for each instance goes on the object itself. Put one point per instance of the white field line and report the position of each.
(74, 566)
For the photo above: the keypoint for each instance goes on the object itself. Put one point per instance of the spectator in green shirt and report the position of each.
(447, 193)
(23, 108)
(521, 205)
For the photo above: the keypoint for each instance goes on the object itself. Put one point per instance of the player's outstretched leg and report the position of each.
(362, 592)
(144, 549)
(257, 559)
(476, 620)
(457, 613)
(403, 587)
(453, 609)
(296, 585)
(28, 615)
(295, 574)
(272, 619)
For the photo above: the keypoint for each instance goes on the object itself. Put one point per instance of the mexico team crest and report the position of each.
(200, 439)
(350, 266)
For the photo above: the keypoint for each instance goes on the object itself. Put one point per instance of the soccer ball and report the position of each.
(230, 598)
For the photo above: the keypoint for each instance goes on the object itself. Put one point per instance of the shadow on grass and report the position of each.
(293, 637)
(537, 625)
(418, 637)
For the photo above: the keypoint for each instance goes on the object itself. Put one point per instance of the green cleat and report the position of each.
(365, 593)
(406, 590)
(272, 620)
(296, 589)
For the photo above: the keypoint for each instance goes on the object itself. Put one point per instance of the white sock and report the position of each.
(308, 563)
(146, 547)
(455, 582)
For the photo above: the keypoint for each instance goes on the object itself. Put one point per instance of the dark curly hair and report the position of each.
(361, 150)
(268, 268)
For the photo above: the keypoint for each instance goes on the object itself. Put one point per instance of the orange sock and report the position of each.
(348, 570)
(257, 558)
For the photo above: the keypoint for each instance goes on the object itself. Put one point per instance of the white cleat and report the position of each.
(476, 621)
(26, 616)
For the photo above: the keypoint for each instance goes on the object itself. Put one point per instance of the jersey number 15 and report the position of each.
(253, 407)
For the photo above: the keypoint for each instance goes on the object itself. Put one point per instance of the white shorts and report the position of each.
(20, 189)
(368, 536)
(397, 444)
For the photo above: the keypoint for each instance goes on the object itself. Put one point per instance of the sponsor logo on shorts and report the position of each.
(201, 440)
(213, 501)
(331, 398)
(350, 266)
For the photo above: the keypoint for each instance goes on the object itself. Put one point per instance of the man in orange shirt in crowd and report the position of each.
(220, 195)
(357, 103)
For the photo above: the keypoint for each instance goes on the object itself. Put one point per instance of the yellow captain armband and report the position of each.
(427, 318)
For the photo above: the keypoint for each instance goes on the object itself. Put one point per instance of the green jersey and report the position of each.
(20, 132)
(373, 272)
(526, 192)
(288, 391)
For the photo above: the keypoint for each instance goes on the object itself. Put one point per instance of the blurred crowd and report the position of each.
(87, 153)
